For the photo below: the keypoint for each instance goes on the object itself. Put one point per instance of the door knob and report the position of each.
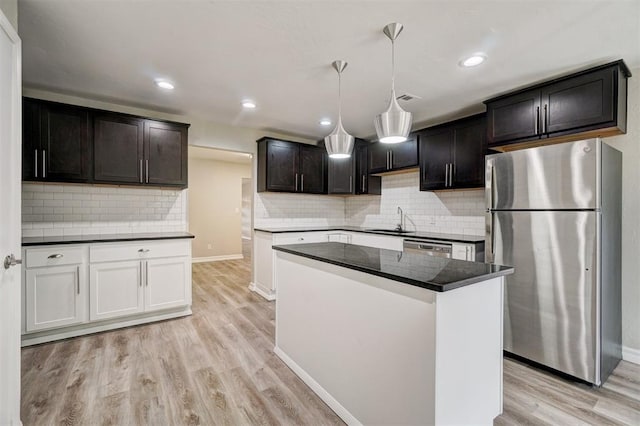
(10, 261)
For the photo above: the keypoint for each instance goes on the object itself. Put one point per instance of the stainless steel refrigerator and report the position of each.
(554, 214)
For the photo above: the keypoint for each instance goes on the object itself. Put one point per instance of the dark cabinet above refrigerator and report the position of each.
(589, 103)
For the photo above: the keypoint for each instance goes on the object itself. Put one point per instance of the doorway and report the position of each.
(220, 203)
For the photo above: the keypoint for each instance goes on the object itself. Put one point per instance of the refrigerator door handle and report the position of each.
(489, 184)
(490, 237)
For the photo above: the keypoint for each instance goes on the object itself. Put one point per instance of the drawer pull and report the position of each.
(143, 251)
(55, 256)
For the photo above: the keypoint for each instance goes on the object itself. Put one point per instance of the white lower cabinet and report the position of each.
(464, 252)
(55, 297)
(116, 289)
(74, 290)
(167, 283)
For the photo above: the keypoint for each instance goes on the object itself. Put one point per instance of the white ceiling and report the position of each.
(204, 153)
(279, 53)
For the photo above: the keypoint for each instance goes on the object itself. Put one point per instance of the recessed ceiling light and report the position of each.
(248, 104)
(325, 122)
(473, 60)
(164, 84)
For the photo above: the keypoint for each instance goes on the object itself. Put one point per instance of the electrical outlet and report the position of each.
(209, 246)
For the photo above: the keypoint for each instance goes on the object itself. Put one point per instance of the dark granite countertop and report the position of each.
(430, 272)
(469, 239)
(103, 238)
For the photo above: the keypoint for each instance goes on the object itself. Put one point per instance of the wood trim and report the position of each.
(631, 354)
(342, 412)
(217, 258)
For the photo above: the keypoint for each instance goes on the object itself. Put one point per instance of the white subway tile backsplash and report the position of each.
(87, 209)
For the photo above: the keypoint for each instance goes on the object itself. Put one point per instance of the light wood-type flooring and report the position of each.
(217, 367)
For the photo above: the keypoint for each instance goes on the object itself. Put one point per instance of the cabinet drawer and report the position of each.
(54, 256)
(139, 250)
(300, 238)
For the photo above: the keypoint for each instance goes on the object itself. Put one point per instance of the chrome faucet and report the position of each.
(400, 226)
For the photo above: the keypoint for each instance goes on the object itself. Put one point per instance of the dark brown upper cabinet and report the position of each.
(350, 176)
(585, 104)
(64, 143)
(392, 157)
(452, 154)
(118, 149)
(165, 153)
(56, 142)
(285, 166)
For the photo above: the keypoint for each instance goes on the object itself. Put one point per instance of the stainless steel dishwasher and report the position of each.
(431, 248)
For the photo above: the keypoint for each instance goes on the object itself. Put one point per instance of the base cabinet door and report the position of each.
(167, 283)
(116, 289)
(55, 297)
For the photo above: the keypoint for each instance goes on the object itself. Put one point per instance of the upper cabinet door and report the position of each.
(118, 148)
(435, 158)
(516, 117)
(313, 170)
(468, 154)
(31, 155)
(365, 183)
(405, 154)
(65, 143)
(342, 179)
(281, 166)
(165, 146)
(586, 100)
(378, 158)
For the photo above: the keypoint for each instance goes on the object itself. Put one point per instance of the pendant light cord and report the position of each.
(339, 95)
(393, 68)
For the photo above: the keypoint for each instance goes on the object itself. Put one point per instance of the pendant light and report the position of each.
(339, 143)
(393, 125)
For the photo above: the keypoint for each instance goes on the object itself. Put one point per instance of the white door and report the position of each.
(167, 283)
(10, 173)
(55, 297)
(116, 289)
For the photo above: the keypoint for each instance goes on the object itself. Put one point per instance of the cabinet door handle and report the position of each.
(55, 256)
(36, 157)
(363, 177)
(350, 183)
(390, 159)
(141, 279)
(296, 186)
(302, 182)
(44, 163)
(78, 279)
(147, 170)
(546, 126)
(140, 170)
(146, 273)
(446, 174)
(451, 170)
(537, 126)
(143, 250)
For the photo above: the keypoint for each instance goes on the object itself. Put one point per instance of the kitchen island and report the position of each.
(386, 337)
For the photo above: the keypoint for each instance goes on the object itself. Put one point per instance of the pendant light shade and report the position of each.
(339, 143)
(393, 125)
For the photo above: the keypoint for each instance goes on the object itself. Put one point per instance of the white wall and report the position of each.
(274, 210)
(451, 212)
(629, 144)
(10, 10)
(56, 209)
(215, 202)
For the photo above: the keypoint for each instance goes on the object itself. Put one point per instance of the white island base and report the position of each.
(378, 351)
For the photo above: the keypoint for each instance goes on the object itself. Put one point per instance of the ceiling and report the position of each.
(278, 53)
(203, 153)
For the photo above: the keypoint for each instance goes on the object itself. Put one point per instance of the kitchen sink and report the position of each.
(394, 231)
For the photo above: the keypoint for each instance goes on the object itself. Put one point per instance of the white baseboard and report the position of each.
(217, 258)
(342, 412)
(269, 296)
(246, 238)
(631, 355)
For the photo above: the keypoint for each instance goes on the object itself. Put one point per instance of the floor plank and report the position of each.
(218, 367)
